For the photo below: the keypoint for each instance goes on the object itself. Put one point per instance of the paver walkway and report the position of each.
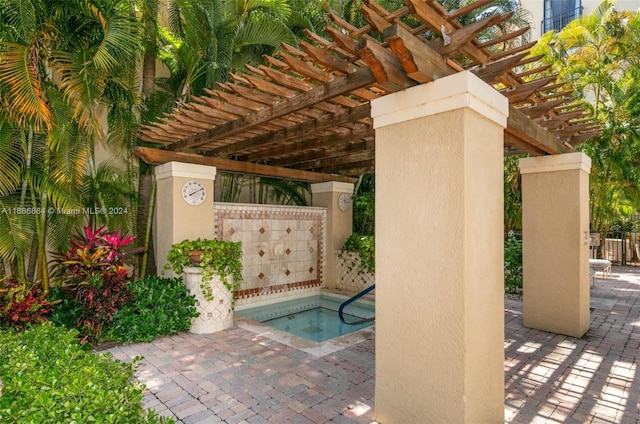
(236, 376)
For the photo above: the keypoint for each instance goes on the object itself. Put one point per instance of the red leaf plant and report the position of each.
(95, 268)
(22, 304)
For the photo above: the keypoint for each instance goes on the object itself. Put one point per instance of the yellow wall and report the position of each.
(175, 219)
(555, 249)
(339, 222)
(439, 253)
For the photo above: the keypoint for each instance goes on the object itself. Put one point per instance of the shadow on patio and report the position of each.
(559, 379)
(238, 376)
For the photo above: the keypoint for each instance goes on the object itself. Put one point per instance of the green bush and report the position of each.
(512, 264)
(365, 246)
(49, 378)
(159, 307)
(66, 311)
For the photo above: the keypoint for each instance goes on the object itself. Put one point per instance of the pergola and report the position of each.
(306, 115)
(441, 106)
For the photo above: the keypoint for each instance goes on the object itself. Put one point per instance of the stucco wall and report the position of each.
(439, 253)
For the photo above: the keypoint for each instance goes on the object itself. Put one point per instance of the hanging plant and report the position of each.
(215, 257)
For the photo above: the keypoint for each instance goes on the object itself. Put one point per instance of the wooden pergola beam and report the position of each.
(521, 127)
(386, 66)
(331, 119)
(159, 156)
(491, 71)
(320, 142)
(363, 77)
(349, 150)
(419, 61)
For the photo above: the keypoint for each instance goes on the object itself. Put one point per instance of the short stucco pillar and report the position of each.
(439, 253)
(555, 243)
(336, 197)
(177, 220)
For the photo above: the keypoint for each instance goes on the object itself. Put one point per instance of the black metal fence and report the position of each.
(620, 247)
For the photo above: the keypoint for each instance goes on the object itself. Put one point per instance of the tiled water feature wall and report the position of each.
(283, 248)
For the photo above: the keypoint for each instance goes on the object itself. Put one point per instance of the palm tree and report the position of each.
(59, 62)
(597, 53)
(211, 38)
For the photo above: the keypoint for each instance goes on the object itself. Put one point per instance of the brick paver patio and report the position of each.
(237, 376)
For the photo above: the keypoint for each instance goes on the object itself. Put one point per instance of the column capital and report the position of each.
(188, 170)
(551, 163)
(457, 91)
(332, 187)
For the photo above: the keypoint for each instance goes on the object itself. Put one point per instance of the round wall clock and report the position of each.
(344, 201)
(194, 193)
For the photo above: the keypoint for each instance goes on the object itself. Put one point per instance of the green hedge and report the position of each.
(49, 378)
(158, 307)
(513, 264)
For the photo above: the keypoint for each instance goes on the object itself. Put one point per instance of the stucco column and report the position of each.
(555, 243)
(177, 220)
(439, 253)
(332, 195)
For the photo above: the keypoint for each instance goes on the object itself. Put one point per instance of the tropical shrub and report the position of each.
(365, 246)
(157, 307)
(512, 264)
(364, 205)
(49, 378)
(66, 311)
(95, 269)
(23, 303)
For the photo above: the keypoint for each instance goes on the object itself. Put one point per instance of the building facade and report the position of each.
(547, 15)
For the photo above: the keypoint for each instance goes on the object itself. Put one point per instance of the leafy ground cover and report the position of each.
(48, 377)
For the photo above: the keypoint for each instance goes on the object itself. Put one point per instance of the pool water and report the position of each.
(314, 317)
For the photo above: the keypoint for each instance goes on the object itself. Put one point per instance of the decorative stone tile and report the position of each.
(261, 227)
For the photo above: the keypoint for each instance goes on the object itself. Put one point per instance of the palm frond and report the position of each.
(19, 70)
(120, 41)
(82, 87)
(279, 9)
(11, 159)
(262, 29)
(17, 228)
(288, 192)
(21, 16)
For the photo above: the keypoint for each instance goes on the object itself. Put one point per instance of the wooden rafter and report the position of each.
(307, 108)
(157, 156)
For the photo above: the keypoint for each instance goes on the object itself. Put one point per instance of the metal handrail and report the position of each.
(351, 300)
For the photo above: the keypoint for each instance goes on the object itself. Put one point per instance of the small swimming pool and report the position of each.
(314, 318)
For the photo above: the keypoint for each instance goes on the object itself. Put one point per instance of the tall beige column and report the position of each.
(439, 253)
(178, 218)
(336, 197)
(555, 243)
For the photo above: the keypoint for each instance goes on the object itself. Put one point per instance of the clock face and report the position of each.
(344, 201)
(194, 193)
